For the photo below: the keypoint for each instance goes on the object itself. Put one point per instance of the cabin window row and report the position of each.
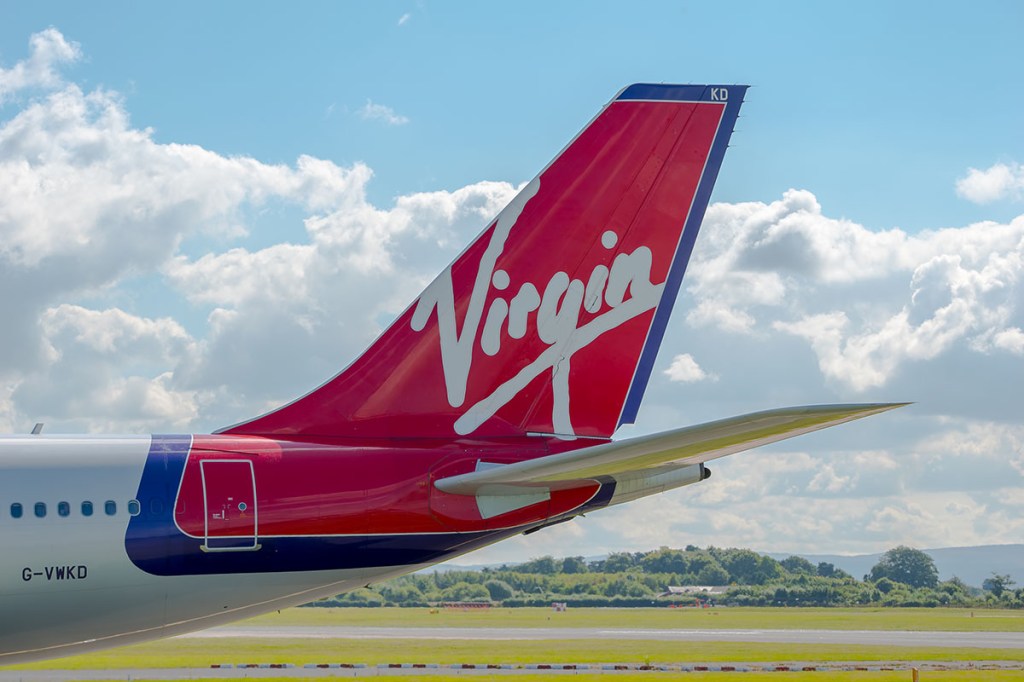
(39, 509)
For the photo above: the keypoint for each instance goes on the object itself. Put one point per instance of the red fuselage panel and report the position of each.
(303, 489)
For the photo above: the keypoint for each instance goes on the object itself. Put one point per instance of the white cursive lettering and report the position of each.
(625, 290)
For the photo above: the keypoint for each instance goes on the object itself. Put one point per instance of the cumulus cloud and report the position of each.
(781, 299)
(238, 276)
(866, 302)
(1011, 340)
(379, 112)
(47, 51)
(106, 371)
(312, 307)
(89, 201)
(849, 501)
(77, 178)
(685, 369)
(999, 181)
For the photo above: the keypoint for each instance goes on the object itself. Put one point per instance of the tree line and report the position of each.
(903, 577)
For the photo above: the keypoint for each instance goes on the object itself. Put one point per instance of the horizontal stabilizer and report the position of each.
(679, 448)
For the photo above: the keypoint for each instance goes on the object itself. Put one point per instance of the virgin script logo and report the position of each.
(554, 316)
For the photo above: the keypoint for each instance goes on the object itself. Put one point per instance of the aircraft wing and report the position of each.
(649, 464)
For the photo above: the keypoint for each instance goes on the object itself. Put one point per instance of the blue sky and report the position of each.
(880, 105)
(208, 208)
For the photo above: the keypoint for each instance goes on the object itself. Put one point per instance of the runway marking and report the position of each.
(310, 670)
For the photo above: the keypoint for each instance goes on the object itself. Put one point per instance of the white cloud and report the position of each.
(828, 481)
(786, 303)
(10, 420)
(237, 276)
(867, 302)
(1011, 339)
(116, 333)
(312, 307)
(47, 50)
(76, 178)
(849, 501)
(404, 19)
(999, 181)
(949, 303)
(685, 369)
(88, 201)
(106, 371)
(974, 441)
(380, 112)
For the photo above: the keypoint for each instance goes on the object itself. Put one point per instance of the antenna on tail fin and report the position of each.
(550, 321)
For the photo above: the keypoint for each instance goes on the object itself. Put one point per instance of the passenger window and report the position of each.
(134, 507)
(87, 508)
(40, 509)
(110, 507)
(16, 510)
(63, 509)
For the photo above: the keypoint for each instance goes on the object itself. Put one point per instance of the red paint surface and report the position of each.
(316, 489)
(634, 170)
(229, 502)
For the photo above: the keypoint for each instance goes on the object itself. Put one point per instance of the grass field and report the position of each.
(954, 620)
(896, 676)
(199, 653)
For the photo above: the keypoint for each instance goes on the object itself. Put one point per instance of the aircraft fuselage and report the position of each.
(150, 534)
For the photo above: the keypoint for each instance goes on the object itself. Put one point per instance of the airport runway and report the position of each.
(305, 669)
(132, 675)
(989, 640)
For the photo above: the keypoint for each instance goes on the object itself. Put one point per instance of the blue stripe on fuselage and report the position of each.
(156, 545)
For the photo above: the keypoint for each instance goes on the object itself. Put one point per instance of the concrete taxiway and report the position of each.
(307, 669)
(988, 640)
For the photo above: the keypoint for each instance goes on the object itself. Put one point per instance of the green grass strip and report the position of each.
(733, 618)
(894, 676)
(201, 653)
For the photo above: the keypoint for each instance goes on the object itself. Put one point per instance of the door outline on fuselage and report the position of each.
(228, 539)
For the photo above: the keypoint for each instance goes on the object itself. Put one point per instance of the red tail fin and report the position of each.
(550, 321)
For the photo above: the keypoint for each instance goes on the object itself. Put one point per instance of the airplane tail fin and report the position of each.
(550, 321)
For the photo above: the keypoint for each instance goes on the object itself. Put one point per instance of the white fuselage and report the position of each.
(66, 582)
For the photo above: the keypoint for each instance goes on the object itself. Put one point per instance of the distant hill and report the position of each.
(970, 564)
